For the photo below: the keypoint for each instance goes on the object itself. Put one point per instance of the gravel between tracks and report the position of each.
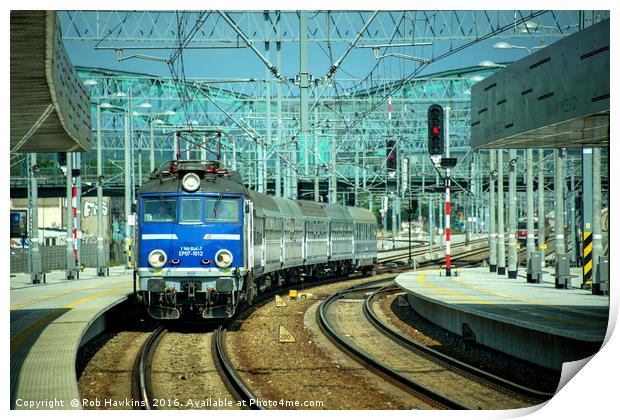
(406, 320)
(183, 372)
(304, 370)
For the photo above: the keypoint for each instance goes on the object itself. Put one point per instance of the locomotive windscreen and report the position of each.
(160, 210)
(222, 210)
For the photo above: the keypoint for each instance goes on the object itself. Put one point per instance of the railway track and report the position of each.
(227, 371)
(420, 250)
(481, 376)
(142, 387)
(418, 389)
(441, 382)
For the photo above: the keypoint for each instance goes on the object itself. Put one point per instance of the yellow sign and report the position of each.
(543, 246)
(285, 336)
(280, 301)
(402, 301)
(292, 294)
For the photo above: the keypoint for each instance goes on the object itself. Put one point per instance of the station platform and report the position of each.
(49, 322)
(534, 322)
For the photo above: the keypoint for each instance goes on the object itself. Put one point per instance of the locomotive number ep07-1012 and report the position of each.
(205, 244)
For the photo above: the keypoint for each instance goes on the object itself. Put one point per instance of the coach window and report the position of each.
(191, 210)
(160, 210)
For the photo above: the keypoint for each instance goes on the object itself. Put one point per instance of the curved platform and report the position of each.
(48, 324)
(534, 322)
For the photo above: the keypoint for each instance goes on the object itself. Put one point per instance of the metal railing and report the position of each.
(55, 257)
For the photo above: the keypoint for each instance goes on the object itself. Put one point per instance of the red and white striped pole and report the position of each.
(448, 273)
(75, 232)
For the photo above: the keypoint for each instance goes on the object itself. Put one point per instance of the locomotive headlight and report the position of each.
(223, 258)
(191, 182)
(157, 258)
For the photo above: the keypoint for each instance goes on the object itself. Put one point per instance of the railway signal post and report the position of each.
(436, 150)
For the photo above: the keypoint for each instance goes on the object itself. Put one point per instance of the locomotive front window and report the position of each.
(222, 210)
(160, 210)
(190, 210)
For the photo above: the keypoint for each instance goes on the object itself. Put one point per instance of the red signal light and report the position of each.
(435, 130)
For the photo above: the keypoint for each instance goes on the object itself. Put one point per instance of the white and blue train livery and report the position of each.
(205, 243)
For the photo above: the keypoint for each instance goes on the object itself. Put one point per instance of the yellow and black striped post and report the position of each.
(130, 253)
(587, 259)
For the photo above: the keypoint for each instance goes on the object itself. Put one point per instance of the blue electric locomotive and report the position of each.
(205, 243)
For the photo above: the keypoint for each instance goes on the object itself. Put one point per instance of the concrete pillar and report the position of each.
(492, 218)
(384, 210)
(541, 204)
(559, 201)
(394, 219)
(530, 202)
(34, 253)
(501, 243)
(597, 233)
(512, 214)
(101, 258)
(574, 253)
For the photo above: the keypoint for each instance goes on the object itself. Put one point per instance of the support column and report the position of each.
(394, 219)
(101, 257)
(175, 145)
(77, 209)
(530, 245)
(234, 153)
(316, 155)
(574, 253)
(559, 201)
(597, 232)
(70, 269)
(512, 214)
(260, 180)
(501, 243)
(442, 238)
(492, 227)
(128, 189)
(586, 215)
(357, 178)
(333, 193)
(431, 225)
(304, 81)
(278, 183)
(151, 141)
(34, 253)
(384, 209)
(541, 206)
(267, 106)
